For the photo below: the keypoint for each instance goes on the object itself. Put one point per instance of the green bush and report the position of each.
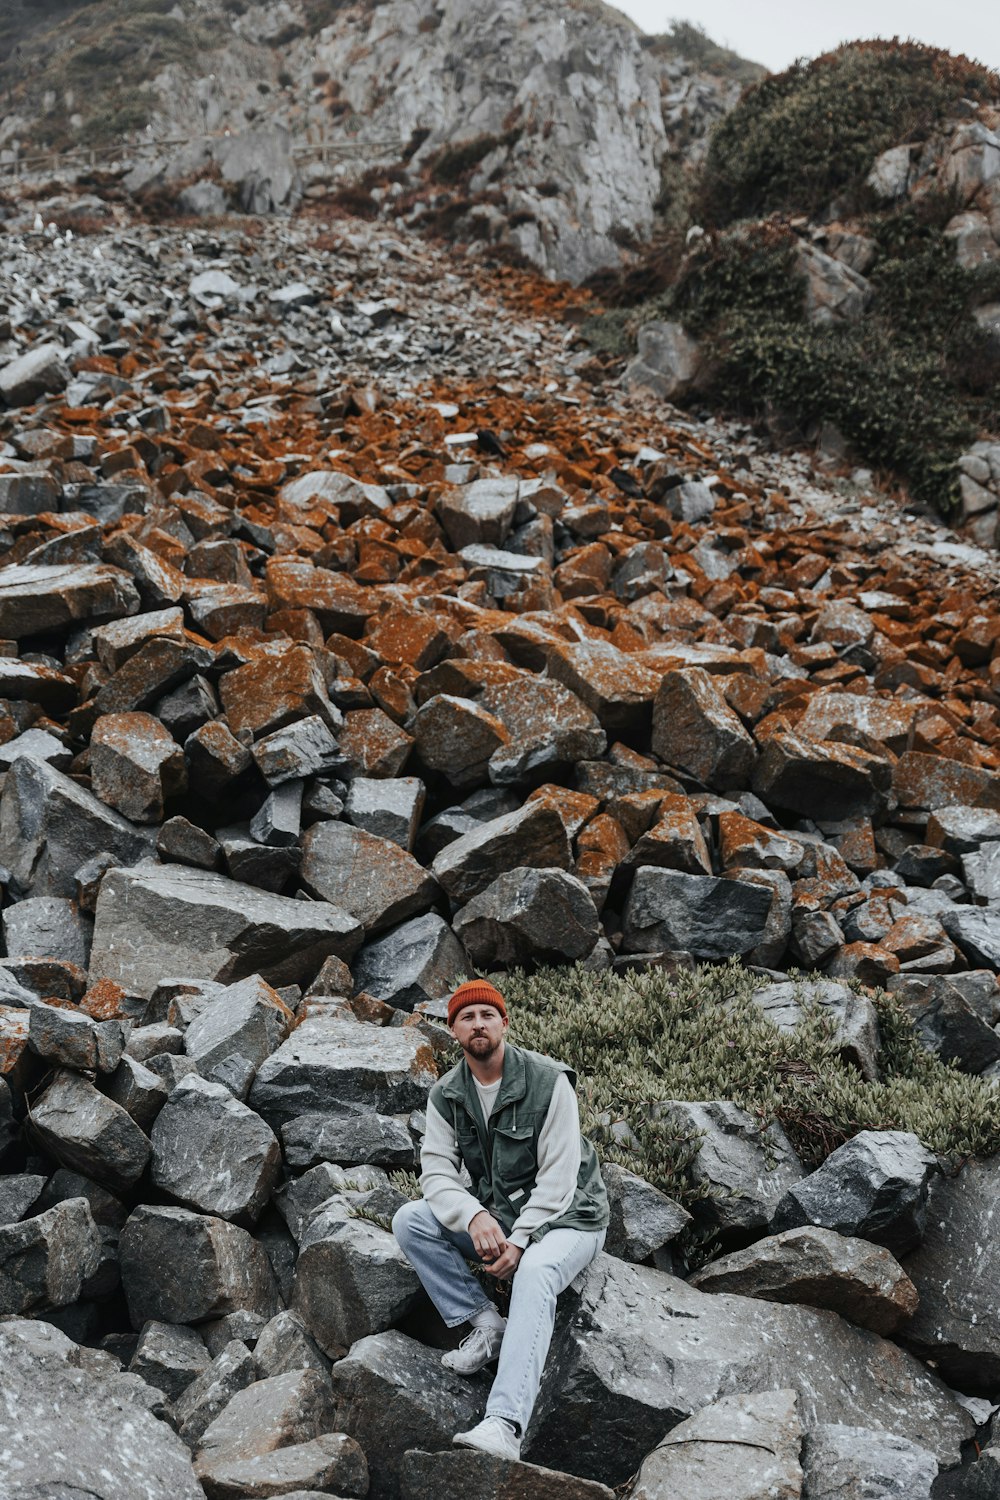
(910, 385)
(455, 162)
(799, 137)
(638, 1039)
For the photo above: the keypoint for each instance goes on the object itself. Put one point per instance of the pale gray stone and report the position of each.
(742, 1447)
(854, 1463)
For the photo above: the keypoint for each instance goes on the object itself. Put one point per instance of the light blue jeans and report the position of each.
(546, 1268)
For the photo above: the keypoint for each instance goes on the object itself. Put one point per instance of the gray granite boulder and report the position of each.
(526, 917)
(742, 1447)
(50, 826)
(171, 919)
(183, 1267)
(231, 1370)
(330, 1464)
(89, 1133)
(874, 1185)
(72, 1039)
(236, 1031)
(393, 1394)
(464, 1472)
(370, 877)
(534, 836)
(212, 1153)
(45, 1261)
(351, 1280)
(955, 1272)
(329, 1061)
(640, 1351)
(268, 1415)
(854, 1463)
(701, 914)
(68, 1427)
(169, 1356)
(853, 1016)
(747, 1169)
(417, 961)
(643, 1220)
(860, 1281)
(349, 1138)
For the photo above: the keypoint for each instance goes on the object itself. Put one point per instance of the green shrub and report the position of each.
(453, 162)
(799, 137)
(692, 42)
(638, 1039)
(910, 385)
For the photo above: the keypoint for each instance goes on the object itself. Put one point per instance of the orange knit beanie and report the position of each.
(475, 992)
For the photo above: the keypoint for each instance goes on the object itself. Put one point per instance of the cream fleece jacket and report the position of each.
(555, 1183)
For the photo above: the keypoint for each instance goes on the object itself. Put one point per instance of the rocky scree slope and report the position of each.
(542, 131)
(335, 669)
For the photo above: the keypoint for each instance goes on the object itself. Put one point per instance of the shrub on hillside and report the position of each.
(638, 1039)
(799, 137)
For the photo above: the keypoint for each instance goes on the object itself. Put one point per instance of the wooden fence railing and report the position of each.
(17, 164)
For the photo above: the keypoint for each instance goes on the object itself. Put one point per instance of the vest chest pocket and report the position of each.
(514, 1155)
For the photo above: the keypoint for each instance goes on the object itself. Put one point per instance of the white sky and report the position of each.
(776, 32)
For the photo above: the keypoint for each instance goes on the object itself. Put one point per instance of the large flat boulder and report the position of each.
(641, 1351)
(42, 600)
(860, 1281)
(465, 1472)
(172, 919)
(329, 1062)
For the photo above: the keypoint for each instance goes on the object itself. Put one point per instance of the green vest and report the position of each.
(501, 1156)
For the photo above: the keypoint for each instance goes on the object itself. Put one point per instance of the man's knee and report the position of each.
(402, 1220)
(409, 1218)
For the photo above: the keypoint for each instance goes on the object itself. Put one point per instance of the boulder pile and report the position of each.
(316, 695)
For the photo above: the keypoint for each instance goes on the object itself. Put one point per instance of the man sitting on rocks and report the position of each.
(537, 1212)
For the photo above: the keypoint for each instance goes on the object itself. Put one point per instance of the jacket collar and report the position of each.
(513, 1085)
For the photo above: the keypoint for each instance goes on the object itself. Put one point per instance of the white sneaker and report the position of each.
(477, 1349)
(493, 1435)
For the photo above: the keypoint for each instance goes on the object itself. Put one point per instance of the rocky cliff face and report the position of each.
(546, 127)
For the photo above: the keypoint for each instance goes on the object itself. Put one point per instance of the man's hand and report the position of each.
(487, 1237)
(506, 1264)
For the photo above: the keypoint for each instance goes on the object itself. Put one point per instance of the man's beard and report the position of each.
(481, 1046)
